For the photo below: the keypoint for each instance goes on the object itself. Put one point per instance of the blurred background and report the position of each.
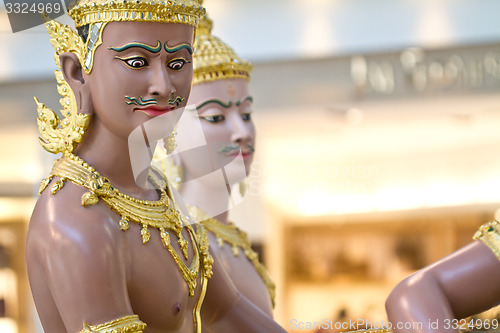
(378, 145)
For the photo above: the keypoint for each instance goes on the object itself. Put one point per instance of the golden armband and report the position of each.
(127, 324)
(489, 234)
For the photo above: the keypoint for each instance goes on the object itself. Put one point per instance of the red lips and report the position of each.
(244, 155)
(154, 110)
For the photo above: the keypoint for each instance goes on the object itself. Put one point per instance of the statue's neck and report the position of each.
(214, 200)
(110, 156)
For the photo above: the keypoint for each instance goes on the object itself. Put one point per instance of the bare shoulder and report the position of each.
(78, 254)
(62, 218)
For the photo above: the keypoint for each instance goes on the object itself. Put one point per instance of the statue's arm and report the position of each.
(461, 284)
(225, 309)
(78, 252)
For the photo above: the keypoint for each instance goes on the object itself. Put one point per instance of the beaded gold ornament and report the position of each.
(162, 11)
(162, 214)
(170, 143)
(172, 171)
(215, 60)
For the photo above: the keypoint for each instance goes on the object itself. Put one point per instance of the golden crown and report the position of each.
(179, 11)
(215, 60)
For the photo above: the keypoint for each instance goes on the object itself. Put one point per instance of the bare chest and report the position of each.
(159, 283)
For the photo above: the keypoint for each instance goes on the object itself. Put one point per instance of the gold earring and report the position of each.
(62, 135)
(170, 143)
(173, 172)
(243, 187)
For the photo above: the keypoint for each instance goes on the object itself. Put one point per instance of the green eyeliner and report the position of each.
(178, 47)
(140, 45)
(249, 98)
(217, 101)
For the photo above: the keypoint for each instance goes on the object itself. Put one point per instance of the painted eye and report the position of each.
(246, 116)
(177, 64)
(216, 118)
(135, 62)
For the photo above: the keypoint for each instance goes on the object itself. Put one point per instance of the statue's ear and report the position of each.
(75, 76)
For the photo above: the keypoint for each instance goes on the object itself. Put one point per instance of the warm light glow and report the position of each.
(24, 164)
(442, 193)
(316, 203)
(12, 208)
(390, 161)
(8, 325)
(319, 201)
(486, 190)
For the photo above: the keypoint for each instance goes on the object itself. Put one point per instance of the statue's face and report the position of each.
(224, 110)
(141, 70)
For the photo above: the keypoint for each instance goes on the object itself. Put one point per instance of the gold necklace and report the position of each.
(162, 214)
(237, 238)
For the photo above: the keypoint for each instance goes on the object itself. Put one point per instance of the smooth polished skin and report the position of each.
(226, 121)
(460, 285)
(82, 267)
(228, 129)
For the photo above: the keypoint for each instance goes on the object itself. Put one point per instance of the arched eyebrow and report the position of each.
(216, 101)
(154, 49)
(248, 98)
(179, 47)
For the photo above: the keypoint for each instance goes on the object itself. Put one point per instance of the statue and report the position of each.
(108, 251)
(223, 110)
(460, 285)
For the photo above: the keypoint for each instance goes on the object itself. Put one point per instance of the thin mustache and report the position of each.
(230, 148)
(142, 102)
(175, 101)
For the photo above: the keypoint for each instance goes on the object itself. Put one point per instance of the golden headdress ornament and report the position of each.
(215, 60)
(91, 16)
(178, 11)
